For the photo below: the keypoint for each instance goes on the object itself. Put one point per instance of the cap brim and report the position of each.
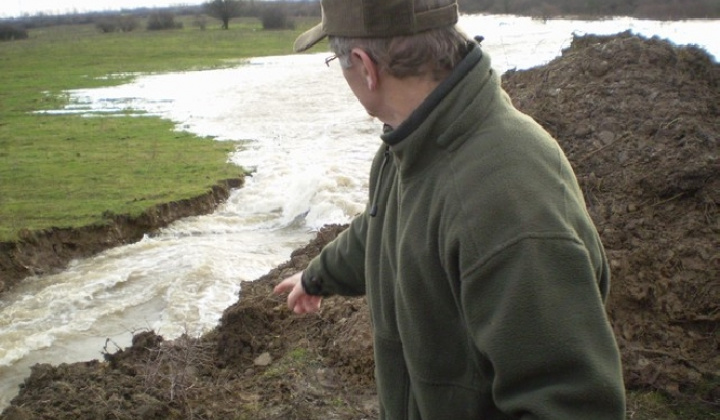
(309, 38)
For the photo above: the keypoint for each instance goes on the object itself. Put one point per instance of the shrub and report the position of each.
(128, 23)
(200, 21)
(162, 20)
(106, 26)
(11, 32)
(275, 18)
(111, 24)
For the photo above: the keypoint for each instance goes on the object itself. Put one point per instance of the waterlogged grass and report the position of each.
(67, 170)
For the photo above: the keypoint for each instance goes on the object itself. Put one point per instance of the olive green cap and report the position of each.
(375, 19)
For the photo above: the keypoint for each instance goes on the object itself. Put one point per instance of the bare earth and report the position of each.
(639, 120)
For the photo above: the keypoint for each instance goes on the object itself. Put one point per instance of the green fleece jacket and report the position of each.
(484, 274)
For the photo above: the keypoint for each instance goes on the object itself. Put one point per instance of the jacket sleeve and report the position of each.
(340, 267)
(535, 311)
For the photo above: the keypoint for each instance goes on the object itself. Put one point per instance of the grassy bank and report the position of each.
(67, 170)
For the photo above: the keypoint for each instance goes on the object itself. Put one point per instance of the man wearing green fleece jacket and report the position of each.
(484, 274)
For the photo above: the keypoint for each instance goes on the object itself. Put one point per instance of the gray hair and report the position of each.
(433, 52)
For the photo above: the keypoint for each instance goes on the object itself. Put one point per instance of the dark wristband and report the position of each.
(312, 285)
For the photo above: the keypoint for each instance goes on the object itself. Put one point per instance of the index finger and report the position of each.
(288, 284)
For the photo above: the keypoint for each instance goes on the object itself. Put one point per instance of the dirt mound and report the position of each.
(638, 120)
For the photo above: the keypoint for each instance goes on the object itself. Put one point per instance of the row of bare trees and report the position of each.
(655, 9)
(279, 14)
(275, 15)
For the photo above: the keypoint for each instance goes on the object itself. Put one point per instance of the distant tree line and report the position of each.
(158, 20)
(273, 15)
(280, 14)
(653, 9)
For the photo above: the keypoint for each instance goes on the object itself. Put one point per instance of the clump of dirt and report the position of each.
(638, 120)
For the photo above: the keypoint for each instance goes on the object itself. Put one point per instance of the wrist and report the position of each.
(312, 285)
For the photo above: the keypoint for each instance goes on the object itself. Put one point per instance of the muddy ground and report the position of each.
(639, 120)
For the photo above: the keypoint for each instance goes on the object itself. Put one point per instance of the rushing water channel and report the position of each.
(309, 143)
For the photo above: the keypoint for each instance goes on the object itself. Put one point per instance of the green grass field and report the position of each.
(67, 170)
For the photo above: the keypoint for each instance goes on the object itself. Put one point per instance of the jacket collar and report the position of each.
(421, 113)
(447, 117)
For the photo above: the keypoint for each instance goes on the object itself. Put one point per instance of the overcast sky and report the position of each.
(14, 8)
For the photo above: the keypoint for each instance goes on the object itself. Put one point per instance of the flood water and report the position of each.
(309, 145)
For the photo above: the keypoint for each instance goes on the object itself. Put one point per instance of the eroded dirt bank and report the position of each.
(638, 119)
(42, 252)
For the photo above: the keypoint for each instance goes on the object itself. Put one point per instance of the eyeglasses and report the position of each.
(329, 59)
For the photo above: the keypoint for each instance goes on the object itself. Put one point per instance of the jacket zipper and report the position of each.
(374, 206)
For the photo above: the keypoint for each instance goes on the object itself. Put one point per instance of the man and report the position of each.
(484, 274)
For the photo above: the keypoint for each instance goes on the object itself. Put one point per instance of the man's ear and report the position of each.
(369, 69)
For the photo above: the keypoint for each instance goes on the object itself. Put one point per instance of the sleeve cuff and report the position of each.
(312, 284)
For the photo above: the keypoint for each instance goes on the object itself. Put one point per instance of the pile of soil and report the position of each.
(638, 119)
